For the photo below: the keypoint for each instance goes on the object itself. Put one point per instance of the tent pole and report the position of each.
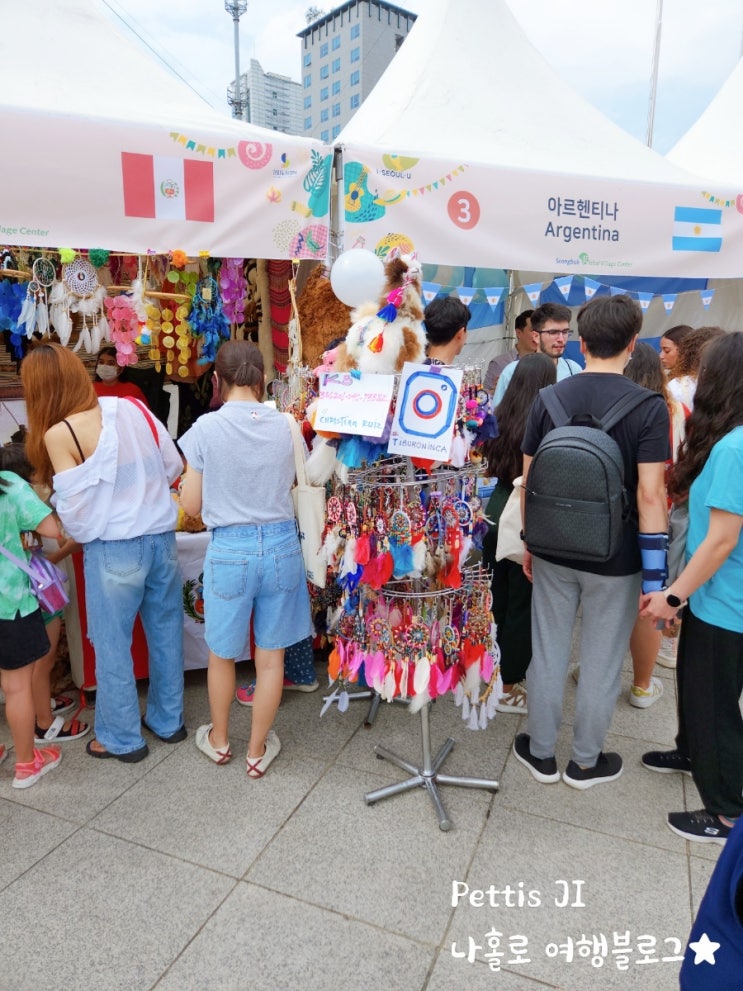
(337, 207)
(654, 74)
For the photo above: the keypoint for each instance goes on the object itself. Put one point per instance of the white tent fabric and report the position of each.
(713, 146)
(474, 151)
(103, 147)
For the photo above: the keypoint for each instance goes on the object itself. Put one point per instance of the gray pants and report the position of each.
(609, 610)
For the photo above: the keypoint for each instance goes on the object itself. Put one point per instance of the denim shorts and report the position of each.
(258, 571)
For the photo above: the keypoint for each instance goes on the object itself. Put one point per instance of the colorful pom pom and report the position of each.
(67, 255)
(180, 259)
(98, 257)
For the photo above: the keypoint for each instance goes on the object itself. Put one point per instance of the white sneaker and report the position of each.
(667, 653)
(642, 698)
(256, 767)
(202, 741)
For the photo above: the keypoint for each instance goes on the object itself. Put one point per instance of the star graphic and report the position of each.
(704, 950)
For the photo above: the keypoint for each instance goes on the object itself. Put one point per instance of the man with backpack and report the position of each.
(595, 527)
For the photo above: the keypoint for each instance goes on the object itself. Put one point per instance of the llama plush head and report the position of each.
(390, 332)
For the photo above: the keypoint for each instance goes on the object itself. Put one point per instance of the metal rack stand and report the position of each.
(427, 776)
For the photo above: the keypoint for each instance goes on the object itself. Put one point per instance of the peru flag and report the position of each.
(167, 188)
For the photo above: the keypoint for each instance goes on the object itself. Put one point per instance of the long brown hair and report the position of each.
(718, 409)
(690, 349)
(532, 373)
(644, 367)
(56, 384)
(239, 363)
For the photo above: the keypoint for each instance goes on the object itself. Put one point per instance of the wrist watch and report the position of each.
(673, 600)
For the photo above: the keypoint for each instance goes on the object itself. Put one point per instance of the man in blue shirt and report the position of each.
(551, 323)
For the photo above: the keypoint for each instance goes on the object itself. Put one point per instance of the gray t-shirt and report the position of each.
(245, 453)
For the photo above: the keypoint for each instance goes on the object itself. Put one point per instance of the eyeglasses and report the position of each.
(556, 333)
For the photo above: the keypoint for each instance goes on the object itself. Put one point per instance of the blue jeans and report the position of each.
(258, 571)
(123, 578)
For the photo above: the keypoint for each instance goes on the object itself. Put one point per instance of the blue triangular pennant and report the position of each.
(564, 284)
(533, 291)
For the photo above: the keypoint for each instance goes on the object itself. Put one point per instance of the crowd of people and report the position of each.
(111, 465)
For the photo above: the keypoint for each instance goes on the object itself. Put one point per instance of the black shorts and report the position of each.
(23, 640)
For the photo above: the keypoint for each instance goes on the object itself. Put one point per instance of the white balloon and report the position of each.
(357, 276)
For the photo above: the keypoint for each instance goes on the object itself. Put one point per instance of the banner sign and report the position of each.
(466, 213)
(142, 188)
(354, 404)
(423, 424)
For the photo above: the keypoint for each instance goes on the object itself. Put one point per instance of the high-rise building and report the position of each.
(271, 100)
(343, 55)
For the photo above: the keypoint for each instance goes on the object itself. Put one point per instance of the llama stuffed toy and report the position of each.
(386, 334)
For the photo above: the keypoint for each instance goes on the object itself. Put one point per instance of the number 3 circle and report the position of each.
(464, 210)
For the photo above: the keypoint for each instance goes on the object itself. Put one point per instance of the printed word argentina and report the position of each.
(568, 233)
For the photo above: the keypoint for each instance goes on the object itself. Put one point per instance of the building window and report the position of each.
(323, 72)
(355, 31)
(324, 136)
(336, 42)
(336, 87)
(275, 112)
(323, 94)
(307, 123)
(336, 130)
(355, 54)
(355, 101)
(307, 60)
(323, 49)
(336, 65)
(307, 82)
(324, 116)
(355, 77)
(307, 102)
(398, 41)
(336, 109)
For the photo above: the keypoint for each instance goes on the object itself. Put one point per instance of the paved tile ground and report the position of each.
(178, 875)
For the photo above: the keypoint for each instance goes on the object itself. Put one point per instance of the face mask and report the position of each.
(106, 373)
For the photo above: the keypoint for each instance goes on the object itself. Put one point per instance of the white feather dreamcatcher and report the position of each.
(34, 316)
(79, 291)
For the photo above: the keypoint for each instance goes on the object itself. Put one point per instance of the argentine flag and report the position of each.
(697, 229)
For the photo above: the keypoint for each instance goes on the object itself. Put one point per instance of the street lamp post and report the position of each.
(236, 8)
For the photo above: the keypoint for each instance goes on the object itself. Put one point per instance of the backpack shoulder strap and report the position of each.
(557, 412)
(623, 407)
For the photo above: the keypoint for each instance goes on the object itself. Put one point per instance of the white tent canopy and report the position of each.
(103, 147)
(713, 146)
(472, 149)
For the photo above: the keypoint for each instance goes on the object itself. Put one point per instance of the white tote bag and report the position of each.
(309, 508)
(510, 545)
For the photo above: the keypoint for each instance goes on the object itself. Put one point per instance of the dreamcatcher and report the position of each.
(207, 319)
(34, 316)
(79, 291)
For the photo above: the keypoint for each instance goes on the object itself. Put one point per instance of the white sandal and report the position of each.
(205, 746)
(513, 701)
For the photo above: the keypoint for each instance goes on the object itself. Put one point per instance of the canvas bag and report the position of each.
(678, 527)
(510, 546)
(47, 580)
(576, 502)
(309, 509)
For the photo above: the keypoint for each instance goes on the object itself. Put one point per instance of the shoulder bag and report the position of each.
(309, 509)
(47, 580)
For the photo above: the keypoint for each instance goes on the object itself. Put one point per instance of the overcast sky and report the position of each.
(603, 48)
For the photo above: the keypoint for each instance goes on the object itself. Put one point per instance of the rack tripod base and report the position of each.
(428, 775)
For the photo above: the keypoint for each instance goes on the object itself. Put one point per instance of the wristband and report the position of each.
(654, 555)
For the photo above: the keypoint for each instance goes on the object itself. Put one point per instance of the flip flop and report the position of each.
(133, 757)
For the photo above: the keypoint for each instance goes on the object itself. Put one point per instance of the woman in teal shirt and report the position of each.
(709, 744)
(23, 639)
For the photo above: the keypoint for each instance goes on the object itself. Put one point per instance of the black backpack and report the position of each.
(576, 502)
